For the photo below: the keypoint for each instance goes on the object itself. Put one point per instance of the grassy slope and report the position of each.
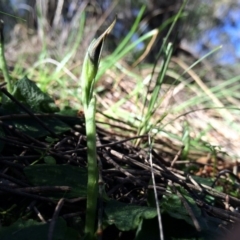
(54, 59)
(189, 116)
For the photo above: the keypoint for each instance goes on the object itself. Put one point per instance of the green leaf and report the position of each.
(174, 210)
(150, 196)
(205, 181)
(30, 229)
(51, 140)
(174, 207)
(32, 128)
(179, 229)
(73, 117)
(68, 111)
(127, 217)
(49, 160)
(28, 93)
(59, 175)
(149, 229)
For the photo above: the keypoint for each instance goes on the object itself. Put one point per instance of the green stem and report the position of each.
(3, 64)
(92, 188)
(89, 71)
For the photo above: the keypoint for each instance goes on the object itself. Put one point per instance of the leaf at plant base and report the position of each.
(173, 206)
(149, 229)
(179, 229)
(49, 160)
(32, 128)
(59, 175)
(29, 93)
(51, 140)
(72, 118)
(30, 229)
(68, 111)
(150, 196)
(127, 217)
(205, 181)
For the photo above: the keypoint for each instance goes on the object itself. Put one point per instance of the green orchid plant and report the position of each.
(89, 72)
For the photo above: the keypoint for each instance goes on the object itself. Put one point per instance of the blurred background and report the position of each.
(208, 24)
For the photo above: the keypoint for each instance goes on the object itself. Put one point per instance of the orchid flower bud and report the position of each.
(91, 64)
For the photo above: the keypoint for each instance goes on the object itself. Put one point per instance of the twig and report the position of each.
(177, 156)
(29, 157)
(43, 189)
(106, 145)
(10, 164)
(14, 180)
(71, 215)
(21, 144)
(155, 190)
(225, 172)
(221, 213)
(54, 218)
(117, 166)
(23, 194)
(39, 214)
(189, 210)
(39, 115)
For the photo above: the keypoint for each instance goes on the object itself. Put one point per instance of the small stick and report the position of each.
(23, 194)
(14, 180)
(189, 210)
(54, 218)
(45, 189)
(155, 190)
(39, 214)
(177, 156)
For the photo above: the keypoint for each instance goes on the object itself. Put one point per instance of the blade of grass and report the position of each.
(164, 45)
(166, 49)
(125, 41)
(121, 50)
(76, 41)
(10, 15)
(201, 59)
(144, 127)
(110, 61)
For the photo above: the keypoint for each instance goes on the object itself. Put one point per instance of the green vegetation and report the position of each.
(89, 72)
(78, 152)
